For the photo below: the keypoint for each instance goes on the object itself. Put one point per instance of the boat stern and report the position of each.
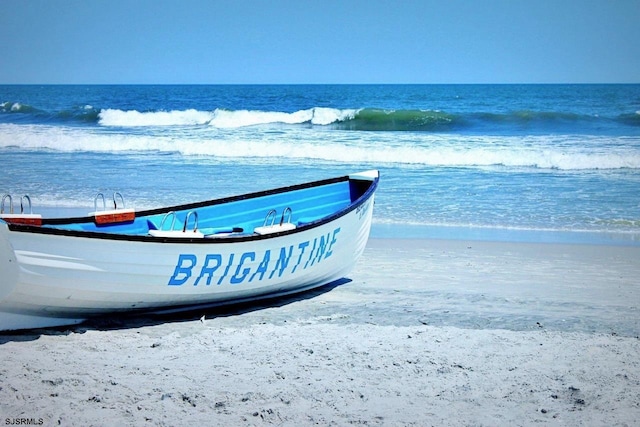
(8, 263)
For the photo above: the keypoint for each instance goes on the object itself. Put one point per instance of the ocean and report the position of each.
(542, 163)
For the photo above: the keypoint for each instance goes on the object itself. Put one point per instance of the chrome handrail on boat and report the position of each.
(273, 220)
(186, 221)
(95, 202)
(115, 204)
(22, 206)
(164, 218)
(116, 195)
(10, 203)
(174, 216)
(287, 209)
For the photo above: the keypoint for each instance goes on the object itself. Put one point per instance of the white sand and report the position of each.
(427, 333)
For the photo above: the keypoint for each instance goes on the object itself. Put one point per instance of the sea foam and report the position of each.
(133, 118)
(221, 118)
(538, 152)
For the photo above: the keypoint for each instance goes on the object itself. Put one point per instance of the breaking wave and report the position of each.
(364, 119)
(351, 119)
(440, 150)
(16, 112)
(347, 119)
(220, 118)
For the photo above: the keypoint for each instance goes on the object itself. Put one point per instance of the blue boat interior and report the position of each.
(239, 215)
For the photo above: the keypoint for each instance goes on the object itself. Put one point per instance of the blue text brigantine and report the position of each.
(236, 268)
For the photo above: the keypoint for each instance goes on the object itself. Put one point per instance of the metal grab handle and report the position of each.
(115, 204)
(186, 221)
(287, 209)
(95, 202)
(272, 213)
(22, 203)
(116, 195)
(10, 203)
(173, 222)
(22, 206)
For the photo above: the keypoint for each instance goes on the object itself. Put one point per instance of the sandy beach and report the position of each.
(426, 332)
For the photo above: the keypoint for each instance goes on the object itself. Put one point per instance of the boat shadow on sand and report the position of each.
(117, 321)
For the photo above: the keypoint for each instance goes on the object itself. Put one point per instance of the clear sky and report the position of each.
(319, 41)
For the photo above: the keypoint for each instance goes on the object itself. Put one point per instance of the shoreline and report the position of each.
(506, 234)
(449, 232)
(434, 332)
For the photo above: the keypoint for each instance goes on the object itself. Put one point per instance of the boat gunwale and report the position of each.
(218, 240)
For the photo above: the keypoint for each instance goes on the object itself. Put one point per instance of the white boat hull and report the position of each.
(51, 280)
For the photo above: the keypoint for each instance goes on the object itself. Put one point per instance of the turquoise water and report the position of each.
(512, 162)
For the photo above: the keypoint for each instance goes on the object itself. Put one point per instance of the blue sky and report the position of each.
(319, 41)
